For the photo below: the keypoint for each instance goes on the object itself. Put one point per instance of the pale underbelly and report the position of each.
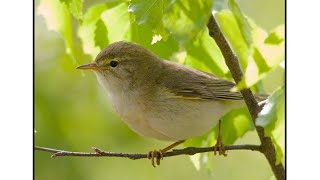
(177, 122)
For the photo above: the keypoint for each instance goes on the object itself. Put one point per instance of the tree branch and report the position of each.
(267, 147)
(186, 151)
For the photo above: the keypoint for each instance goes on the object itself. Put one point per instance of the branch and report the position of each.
(267, 147)
(186, 151)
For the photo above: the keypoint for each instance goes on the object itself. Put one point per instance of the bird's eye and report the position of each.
(114, 63)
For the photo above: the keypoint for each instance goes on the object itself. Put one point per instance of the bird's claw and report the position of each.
(155, 155)
(220, 148)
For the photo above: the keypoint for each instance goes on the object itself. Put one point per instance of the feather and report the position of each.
(195, 84)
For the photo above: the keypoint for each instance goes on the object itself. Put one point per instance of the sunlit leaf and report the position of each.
(117, 21)
(88, 28)
(75, 7)
(275, 37)
(204, 54)
(58, 19)
(165, 48)
(248, 42)
(242, 21)
(265, 57)
(237, 122)
(273, 53)
(117, 17)
(149, 13)
(232, 32)
(186, 18)
(260, 61)
(142, 34)
(272, 119)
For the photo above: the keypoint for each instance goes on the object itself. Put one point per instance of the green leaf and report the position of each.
(265, 57)
(275, 37)
(273, 53)
(150, 13)
(248, 42)
(75, 7)
(147, 12)
(142, 34)
(185, 19)
(88, 28)
(242, 22)
(58, 19)
(230, 28)
(165, 48)
(101, 26)
(168, 45)
(200, 141)
(117, 21)
(235, 124)
(272, 119)
(101, 35)
(205, 55)
(260, 61)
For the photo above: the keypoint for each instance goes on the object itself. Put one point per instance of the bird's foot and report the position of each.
(220, 147)
(155, 157)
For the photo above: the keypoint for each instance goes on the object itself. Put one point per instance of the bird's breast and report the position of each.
(135, 113)
(131, 107)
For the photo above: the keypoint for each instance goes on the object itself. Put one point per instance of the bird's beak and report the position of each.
(91, 66)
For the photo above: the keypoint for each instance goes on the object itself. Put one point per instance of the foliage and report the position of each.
(272, 119)
(176, 30)
(58, 19)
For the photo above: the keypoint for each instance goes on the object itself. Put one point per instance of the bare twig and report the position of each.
(233, 64)
(186, 151)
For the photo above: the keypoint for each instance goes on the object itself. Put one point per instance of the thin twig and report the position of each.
(186, 151)
(233, 64)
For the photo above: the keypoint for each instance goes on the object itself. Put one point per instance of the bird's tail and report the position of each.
(261, 98)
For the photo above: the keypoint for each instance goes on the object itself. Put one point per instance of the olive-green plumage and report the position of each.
(159, 98)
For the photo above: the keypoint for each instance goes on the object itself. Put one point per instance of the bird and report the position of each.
(161, 99)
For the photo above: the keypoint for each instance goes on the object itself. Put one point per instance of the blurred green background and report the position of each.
(72, 112)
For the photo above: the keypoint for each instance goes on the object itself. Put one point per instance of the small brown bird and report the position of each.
(159, 98)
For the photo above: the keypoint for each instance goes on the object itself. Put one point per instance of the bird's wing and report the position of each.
(194, 84)
(216, 89)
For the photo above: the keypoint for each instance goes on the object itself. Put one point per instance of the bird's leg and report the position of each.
(158, 154)
(219, 145)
